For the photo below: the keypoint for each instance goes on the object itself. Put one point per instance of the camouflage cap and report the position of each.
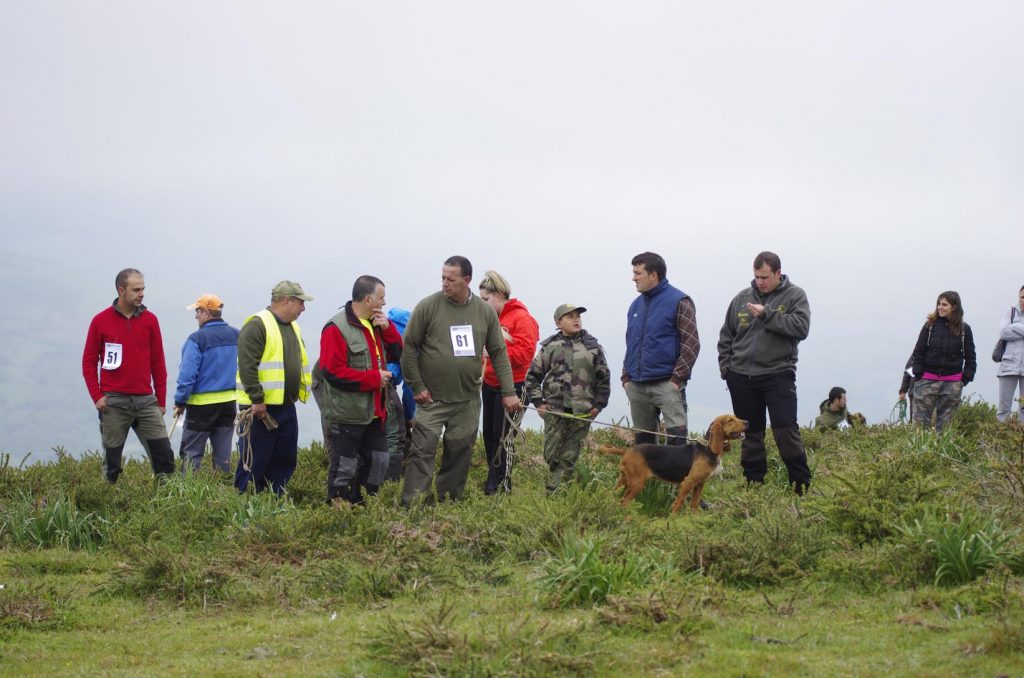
(287, 288)
(567, 308)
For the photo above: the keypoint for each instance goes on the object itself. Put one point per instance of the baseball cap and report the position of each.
(287, 288)
(567, 308)
(209, 302)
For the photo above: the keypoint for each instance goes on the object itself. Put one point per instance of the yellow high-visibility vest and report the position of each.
(271, 369)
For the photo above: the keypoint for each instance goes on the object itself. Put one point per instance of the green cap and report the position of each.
(287, 288)
(567, 308)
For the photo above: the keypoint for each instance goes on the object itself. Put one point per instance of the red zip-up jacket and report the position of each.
(142, 370)
(523, 345)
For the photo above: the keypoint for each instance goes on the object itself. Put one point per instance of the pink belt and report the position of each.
(949, 377)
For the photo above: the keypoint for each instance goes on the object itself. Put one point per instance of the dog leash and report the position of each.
(508, 443)
(584, 417)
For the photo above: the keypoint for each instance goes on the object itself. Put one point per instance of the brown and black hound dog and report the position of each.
(689, 465)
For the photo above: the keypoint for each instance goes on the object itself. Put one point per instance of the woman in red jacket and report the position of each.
(521, 336)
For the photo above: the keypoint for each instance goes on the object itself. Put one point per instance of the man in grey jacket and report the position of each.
(757, 353)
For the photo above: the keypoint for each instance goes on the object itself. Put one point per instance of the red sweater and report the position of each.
(142, 370)
(521, 347)
(386, 344)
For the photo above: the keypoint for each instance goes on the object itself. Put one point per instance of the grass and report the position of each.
(902, 560)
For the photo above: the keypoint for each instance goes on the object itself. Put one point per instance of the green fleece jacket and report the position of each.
(828, 418)
(444, 344)
(756, 347)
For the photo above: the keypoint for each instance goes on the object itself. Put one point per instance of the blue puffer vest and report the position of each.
(652, 340)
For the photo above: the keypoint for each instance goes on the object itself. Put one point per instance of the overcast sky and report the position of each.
(223, 146)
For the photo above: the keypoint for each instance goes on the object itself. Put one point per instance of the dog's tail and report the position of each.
(609, 449)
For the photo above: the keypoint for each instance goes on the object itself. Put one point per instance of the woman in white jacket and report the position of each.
(1011, 369)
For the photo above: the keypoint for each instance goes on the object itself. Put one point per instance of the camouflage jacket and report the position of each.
(569, 374)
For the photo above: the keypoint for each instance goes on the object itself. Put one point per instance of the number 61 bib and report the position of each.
(462, 340)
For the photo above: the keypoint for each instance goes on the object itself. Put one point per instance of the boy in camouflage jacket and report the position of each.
(570, 376)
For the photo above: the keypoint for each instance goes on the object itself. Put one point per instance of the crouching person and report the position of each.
(352, 388)
(569, 376)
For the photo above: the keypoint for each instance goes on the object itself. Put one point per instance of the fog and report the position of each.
(223, 146)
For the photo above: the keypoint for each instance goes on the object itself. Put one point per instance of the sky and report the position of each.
(224, 146)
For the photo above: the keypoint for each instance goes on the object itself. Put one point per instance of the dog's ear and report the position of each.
(716, 437)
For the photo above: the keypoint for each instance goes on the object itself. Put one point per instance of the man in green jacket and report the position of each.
(442, 362)
(833, 410)
(757, 352)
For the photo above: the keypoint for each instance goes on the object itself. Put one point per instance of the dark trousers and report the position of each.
(274, 453)
(394, 428)
(359, 459)
(776, 393)
(494, 428)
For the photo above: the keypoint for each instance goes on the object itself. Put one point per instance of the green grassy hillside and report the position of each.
(905, 559)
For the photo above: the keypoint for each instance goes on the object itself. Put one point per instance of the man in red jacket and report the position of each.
(350, 384)
(124, 370)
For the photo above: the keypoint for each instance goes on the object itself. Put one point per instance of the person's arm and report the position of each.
(523, 344)
(392, 343)
(535, 378)
(970, 356)
(917, 357)
(905, 382)
(603, 385)
(689, 342)
(726, 336)
(158, 365)
(794, 322)
(334, 364)
(188, 372)
(1012, 328)
(414, 335)
(91, 360)
(251, 342)
(495, 343)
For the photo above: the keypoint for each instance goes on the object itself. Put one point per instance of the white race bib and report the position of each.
(112, 356)
(462, 340)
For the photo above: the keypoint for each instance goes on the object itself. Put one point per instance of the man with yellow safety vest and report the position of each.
(206, 386)
(273, 372)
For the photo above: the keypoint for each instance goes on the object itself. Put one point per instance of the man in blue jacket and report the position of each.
(206, 386)
(661, 348)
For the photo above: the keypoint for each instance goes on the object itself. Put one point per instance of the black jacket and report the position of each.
(940, 352)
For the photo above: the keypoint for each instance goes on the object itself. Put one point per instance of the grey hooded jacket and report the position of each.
(767, 345)
(1013, 333)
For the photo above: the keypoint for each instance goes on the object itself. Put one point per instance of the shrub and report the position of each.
(440, 643)
(869, 501)
(577, 575)
(774, 545)
(963, 547)
(52, 523)
(166, 571)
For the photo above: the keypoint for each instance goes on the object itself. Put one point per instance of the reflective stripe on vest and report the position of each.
(271, 368)
(212, 398)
